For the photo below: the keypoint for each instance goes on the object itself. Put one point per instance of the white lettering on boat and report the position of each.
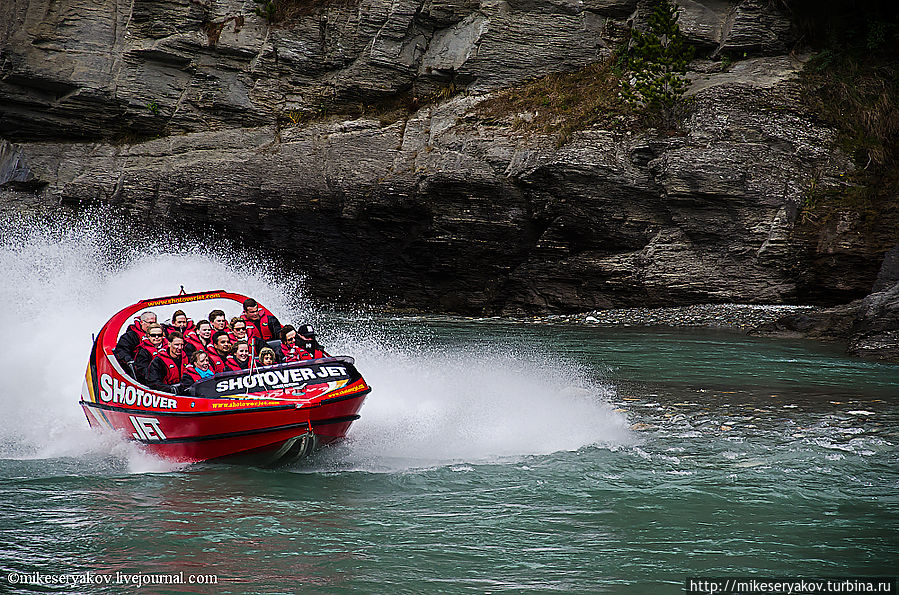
(123, 393)
(147, 428)
(278, 379)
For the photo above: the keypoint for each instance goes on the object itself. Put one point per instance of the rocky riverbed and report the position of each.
(739, 317)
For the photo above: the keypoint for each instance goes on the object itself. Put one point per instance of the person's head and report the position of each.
(176, 344)
(155, 334)
(252, 309)
(242, 351)
(217, 320)
(200, 360)
(204, 330)
(179, 320)
(267, 357)
(146, 319)
(222, 342)
(288, 334)
(306, 332)
(239, 328)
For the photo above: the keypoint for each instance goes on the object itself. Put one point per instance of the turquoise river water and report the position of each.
(491, 456)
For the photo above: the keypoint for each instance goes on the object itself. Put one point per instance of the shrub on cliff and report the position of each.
(657, 65)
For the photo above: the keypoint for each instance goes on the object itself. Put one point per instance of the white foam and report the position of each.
(62, 281)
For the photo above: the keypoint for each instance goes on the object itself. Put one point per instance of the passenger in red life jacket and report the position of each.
(289, 350)
(221, 349)
(259, 322)
(180, 323)
(199, 368)
(148, 349)
(167, 368)
(126, 349)
(267, 357)
(309, 347)
(200, 338)
(239, 333)
(218, 321)
(240, 359)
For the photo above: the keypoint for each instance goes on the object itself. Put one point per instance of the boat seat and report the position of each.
(275, 345)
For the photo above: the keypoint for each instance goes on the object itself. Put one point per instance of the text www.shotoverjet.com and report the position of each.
(789, 586)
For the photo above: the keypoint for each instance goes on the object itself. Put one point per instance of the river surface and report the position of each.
(491, 456)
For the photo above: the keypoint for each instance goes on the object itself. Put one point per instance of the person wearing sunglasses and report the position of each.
(149, 348)
(240, 332)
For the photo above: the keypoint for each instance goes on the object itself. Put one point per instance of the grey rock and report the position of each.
(889, 271)
(440, 211)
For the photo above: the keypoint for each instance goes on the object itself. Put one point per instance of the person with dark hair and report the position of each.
(199, 368)
(180, 323)
(218, 321)
(239, 332)
(199, 338)
(260, 323)
(126, 348)
(221, 349)
(149, 348)
(240, 357)
(290, 352)
(307, 343)
(167, 368)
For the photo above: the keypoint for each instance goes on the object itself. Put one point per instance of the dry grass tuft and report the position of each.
(561, 104)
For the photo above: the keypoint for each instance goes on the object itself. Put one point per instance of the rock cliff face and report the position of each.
(437, 210)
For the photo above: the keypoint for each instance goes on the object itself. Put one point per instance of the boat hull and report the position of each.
(268, 416)
(258, 435)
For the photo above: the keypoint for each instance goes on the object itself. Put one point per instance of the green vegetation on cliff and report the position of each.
(852, 83)
(657, 60)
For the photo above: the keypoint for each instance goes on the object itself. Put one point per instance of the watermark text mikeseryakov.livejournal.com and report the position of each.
(139, 579)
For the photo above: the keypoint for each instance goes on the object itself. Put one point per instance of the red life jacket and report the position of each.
(152, 349)
(263, 331)
(194, 339)
(215, 360)
(235, 365)
(135, 326)
(292, 353)
(191, 371)
(170, 328)
(317, 353)
(252, 339)
(174, 370)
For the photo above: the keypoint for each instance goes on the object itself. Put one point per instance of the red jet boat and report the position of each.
(271, 415)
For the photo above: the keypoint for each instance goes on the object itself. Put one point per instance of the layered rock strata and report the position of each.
(438, 210)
